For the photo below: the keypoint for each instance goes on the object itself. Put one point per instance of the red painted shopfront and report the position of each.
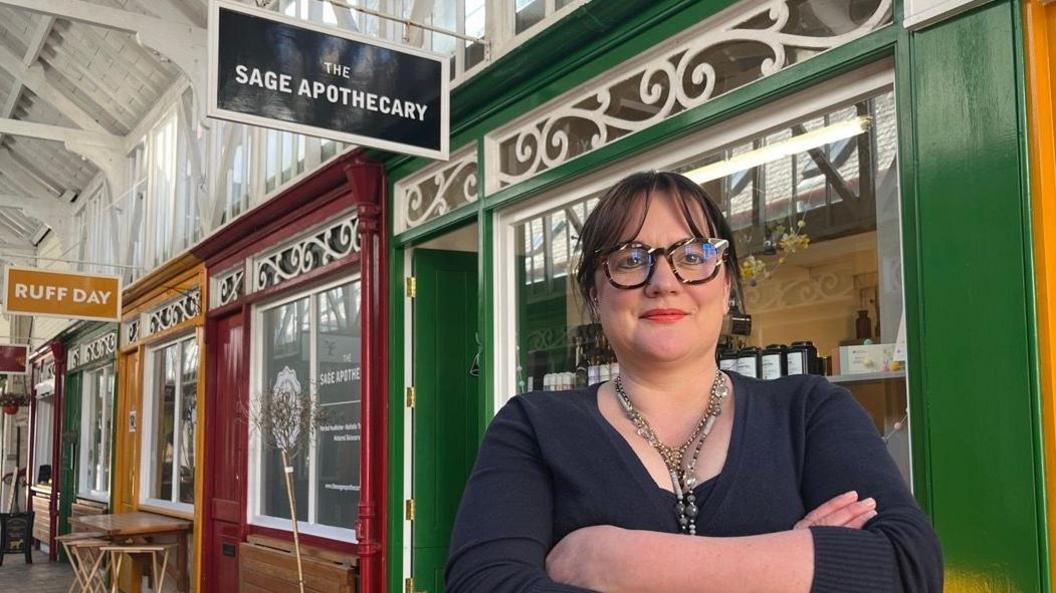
(48, 370)
(297, 296)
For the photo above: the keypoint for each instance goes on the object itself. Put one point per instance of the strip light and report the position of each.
(785, 148)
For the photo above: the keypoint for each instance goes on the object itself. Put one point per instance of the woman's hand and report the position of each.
(843, 511)
(587, 557)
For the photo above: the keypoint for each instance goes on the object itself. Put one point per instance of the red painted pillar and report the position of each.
(367, 180)
(58, 403)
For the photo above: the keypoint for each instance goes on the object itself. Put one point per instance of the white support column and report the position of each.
(420, 11)
(188, 124)
(109, 159)
(232, 132)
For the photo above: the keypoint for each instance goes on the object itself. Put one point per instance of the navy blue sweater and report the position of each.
(550, 463)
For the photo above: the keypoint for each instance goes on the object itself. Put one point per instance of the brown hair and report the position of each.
(604, 226)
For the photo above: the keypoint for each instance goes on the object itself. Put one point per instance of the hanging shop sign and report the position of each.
(269, 70)
(30, 291)
(14, 359)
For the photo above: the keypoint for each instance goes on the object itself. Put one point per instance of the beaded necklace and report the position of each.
(682, 475)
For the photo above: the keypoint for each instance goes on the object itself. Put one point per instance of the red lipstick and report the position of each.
(664, 315)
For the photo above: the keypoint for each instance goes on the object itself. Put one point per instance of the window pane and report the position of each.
(100, 387)
(167, 364)
(338, 439)
(188, 418)
(528, 13)
(287, 366)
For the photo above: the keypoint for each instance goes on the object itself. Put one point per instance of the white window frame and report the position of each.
(820, 99)
(43, 435)
(149, 439)
(253, 508)
(87, 412)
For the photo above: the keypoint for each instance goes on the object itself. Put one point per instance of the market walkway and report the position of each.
(40, 577)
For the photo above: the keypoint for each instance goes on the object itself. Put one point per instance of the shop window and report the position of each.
(96, 419)
(813, 203)
(170, 414)
(310, 344)
(44, 430)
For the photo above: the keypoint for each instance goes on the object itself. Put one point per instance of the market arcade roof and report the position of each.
(62, 83)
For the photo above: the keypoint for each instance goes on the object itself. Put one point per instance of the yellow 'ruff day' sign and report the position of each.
(29, 291)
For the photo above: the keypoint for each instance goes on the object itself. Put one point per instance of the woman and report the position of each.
(677, 476)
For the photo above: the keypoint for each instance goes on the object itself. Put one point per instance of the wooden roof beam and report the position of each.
(34, 79)
(38, 40)
(183, 44)
(17, 127)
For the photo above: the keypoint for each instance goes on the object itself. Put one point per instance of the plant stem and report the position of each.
(293, 517)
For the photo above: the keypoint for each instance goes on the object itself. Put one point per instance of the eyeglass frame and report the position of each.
(720, 245)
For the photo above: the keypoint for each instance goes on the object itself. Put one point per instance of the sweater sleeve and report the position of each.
(898, 550)
(504, 526)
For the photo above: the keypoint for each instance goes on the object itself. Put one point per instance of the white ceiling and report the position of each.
(73, 75)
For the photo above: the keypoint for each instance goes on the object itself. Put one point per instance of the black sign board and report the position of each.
(266, 69)
(16, 529)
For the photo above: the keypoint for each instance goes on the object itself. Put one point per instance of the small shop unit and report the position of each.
(852, 146)
(87, 420)
(47, 365)
(297, 304)
(157, 420)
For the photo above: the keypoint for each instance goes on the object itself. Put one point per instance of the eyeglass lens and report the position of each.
(693, 261)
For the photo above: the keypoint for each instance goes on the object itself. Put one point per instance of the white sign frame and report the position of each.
(120, 294)
(214, 111)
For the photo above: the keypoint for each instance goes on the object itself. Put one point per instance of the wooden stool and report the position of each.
(117, 553)
(85, 553)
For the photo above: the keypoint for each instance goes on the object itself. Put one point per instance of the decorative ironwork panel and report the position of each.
(100, 348)
(73, 358)
(132, 331)
(229, 287)
(175, 312)
(758, 40)
(44, 379)
(437, 190)
(315, 250)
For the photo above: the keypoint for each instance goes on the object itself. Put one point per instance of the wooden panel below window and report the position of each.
(265, 569)
(81, 508)
(42, 519)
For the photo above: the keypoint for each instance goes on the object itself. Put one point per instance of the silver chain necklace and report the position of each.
(682, 476)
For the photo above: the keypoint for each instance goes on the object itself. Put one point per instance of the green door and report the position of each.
(447, 392)
(70, 455)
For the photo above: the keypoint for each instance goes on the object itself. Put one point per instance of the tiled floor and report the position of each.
(40, 577)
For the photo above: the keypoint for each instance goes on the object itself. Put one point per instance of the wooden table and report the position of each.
(140, 525)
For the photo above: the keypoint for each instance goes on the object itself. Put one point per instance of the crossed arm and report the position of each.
(843, 546)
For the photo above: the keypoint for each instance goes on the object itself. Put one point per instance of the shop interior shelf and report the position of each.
(858, 377)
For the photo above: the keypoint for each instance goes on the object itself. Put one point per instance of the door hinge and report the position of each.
(412, 287)
(408, 585)
(408, 511)
(410, 397)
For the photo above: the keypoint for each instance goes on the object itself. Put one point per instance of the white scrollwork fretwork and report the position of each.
(44, 376)
(98, 349)
(131, 331)
(719, 56)
(437, 190)
(230, 287)
(312, 251)
(173, 313)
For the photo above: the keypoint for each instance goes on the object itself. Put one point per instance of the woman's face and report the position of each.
(664, 321)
